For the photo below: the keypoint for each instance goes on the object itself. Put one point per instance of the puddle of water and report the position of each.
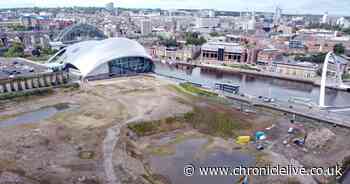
(346, 179)
(172, 166)
(35, 116)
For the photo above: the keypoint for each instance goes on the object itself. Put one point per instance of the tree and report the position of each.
(214, 34)
(18, 27)
(346, 31)
(194, 39)
(48, 51)
(339, 48)
(315, 58)
(169, 42)
(16, 50)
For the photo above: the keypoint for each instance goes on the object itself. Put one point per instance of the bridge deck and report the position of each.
(315, 114)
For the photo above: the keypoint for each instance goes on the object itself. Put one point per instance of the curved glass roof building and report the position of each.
(105, 58)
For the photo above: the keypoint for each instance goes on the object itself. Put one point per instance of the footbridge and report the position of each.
(331, 57)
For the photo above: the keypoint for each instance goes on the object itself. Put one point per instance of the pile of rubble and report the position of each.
(319, 138)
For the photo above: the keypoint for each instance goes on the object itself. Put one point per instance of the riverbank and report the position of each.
(313, 81)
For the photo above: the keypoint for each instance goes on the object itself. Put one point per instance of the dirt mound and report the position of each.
(319, 138)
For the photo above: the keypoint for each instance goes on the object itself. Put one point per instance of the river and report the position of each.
(259, 85)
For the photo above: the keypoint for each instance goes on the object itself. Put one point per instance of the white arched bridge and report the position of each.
(331, 57)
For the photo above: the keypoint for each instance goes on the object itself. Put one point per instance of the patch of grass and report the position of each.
(40, 59)
(215, 123)
(240, 66)
(192, 89)
(153, 127)
(220, 124)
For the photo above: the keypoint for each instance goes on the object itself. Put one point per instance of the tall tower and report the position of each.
(325, 18)
(146, 27)
(278, 15)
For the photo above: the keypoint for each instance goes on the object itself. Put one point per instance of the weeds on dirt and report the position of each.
(192, 89)
(153, 127)
(215, 123)
(221, 124)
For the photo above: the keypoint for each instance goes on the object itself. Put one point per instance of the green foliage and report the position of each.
(346, 76)
(215, 34)
(206, 121)
(215, 123)
(48, 51)
(315, 58)
(153, 127)
(346, 31)
(18, 27)
(168, 42)
(194, 39)
(16, 50)
(339, 48)
(190, 88)
(244, 66)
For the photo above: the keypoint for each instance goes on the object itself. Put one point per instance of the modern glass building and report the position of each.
(130, 65)
(106, 58)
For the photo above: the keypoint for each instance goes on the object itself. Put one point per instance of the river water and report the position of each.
(258, 85)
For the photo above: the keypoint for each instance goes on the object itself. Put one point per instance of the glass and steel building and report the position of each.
(106, 58)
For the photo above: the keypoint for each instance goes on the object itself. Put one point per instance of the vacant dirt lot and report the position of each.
(88, 142)
(69, 147)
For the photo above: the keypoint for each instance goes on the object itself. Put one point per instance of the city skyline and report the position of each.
(334, 7)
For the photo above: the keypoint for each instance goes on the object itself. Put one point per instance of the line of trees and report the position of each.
(191, 38)
(338, 49)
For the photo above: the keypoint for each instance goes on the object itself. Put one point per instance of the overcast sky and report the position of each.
(335, 7)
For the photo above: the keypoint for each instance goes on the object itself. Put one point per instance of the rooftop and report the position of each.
(229, 47)
(298, 64)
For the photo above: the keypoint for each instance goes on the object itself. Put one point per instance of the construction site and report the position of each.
(135, 130)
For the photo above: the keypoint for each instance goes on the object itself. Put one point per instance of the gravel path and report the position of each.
(109, 144)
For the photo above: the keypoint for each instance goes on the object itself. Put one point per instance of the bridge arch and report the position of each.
(330, 57)
(80, 32)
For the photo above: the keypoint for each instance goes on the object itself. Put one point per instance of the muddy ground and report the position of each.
(67, 148)
(82, 145)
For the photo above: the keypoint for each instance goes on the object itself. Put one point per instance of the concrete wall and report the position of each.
(33, 82)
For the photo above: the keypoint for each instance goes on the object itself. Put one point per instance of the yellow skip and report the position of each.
(243, 140)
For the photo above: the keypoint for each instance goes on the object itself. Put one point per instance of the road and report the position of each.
(297, 109)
